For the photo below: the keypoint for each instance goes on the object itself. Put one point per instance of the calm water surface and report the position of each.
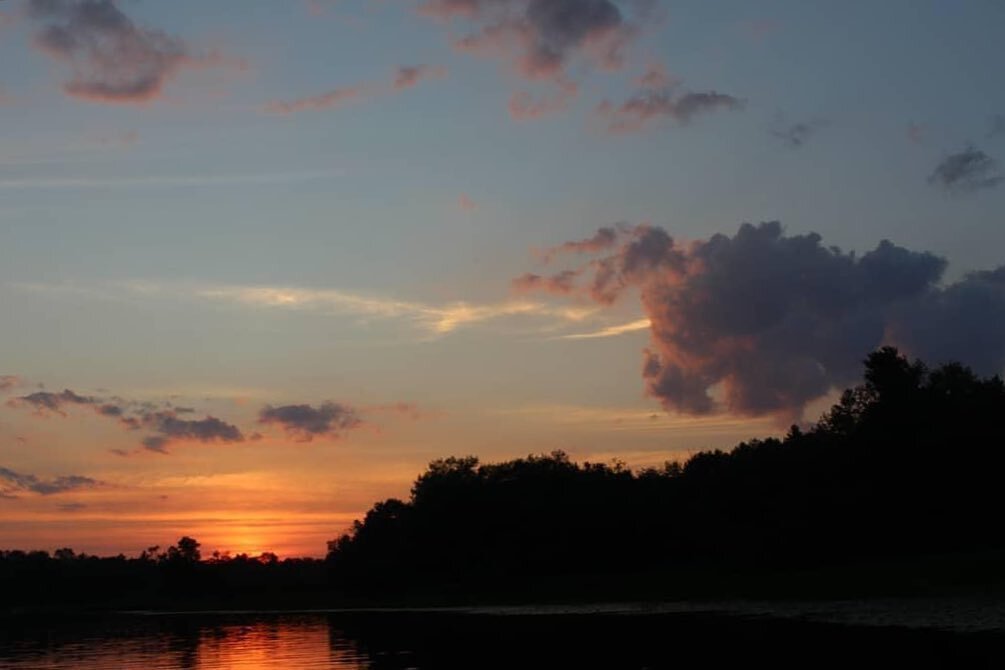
(571, 638)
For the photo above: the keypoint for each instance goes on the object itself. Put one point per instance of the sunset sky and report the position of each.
(262, 260)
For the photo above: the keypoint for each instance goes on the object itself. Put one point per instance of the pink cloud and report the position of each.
(329, 100)
(110, 58)
(562, 283)
(605, 238)
(405, 76)
(466, 203)
(540, 37)
(8, 382)
(541, 40)
(658, 98)
(762, 323)
(656, 77)
(524, 106)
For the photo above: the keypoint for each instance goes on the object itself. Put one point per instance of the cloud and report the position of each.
(466, 203)
(966, 171)
(562, 282)
(605, 238)
(406, 409)
(8, 382)
(166, 424)
(611, 331)
(72, 507)
(410, 75)
(539, 38)
(14, 483)
(305, 422)
(660, 97)
(170, 428)
(435, 319)
(430, 319)
(166, 181)
(545, 41)
(46, 402)
(797, 134)
(405, 76)
(523, 105)
(656, 77)
(916, 133)
(330, 100)
(763, 323)
(110, 58)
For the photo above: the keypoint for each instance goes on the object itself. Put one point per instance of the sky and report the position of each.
(262, 261)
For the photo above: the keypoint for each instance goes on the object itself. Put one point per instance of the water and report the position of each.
(577, 637)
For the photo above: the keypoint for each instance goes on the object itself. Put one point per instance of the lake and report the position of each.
(638, 637)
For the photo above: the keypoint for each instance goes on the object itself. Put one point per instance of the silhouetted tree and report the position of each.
(186, 552)
(905, 463)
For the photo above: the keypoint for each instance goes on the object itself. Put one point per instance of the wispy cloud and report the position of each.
(165, 181)
(8, 382)
(966, 171)
(796, 134)
(430, 318)
(437, 319)
(404, 77)
(329, 100)
(660, 97)
(408, 76)
(634, 419)
(13, 483)
(611, 331)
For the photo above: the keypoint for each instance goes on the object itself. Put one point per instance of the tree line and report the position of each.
(907, 464)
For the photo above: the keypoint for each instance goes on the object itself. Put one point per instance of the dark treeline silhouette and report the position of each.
(174, 578)
(898, 486)
(908, 464)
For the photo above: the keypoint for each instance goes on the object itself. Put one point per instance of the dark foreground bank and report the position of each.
(392, 640)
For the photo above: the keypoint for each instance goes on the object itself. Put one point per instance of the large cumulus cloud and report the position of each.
(762, 322)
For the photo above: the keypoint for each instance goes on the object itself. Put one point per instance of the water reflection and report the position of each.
(185, 643)
(403, 640)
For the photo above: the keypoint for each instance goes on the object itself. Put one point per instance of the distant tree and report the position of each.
(65, 554)
(187, 551)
